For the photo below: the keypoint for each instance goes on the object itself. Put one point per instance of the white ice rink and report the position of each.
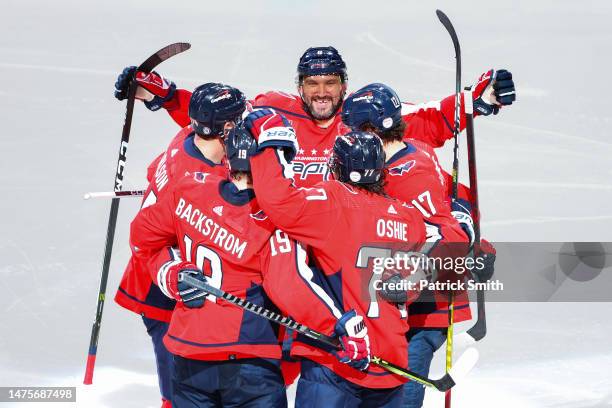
(544, 165)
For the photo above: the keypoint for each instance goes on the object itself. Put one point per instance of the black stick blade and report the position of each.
(451, 30)
(162, 55)
(444, 384)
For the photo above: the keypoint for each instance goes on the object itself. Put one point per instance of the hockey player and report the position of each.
(415, 176)
(344, 223)
(322, 82)
(212, 228)
(213, 109)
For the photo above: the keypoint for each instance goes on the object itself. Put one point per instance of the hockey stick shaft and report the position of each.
(113, 194)
(457, 125)
(146, 66)
(479, 330)
(455, 188)
(442, 384)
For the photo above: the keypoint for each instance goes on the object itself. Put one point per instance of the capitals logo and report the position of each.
(368, 96)
(402, 168)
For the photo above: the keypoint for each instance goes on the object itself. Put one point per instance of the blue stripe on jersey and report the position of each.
(232, 195)
(255, 327)
(192, 150)
(328, 288)
(154, 298)
(402, 153)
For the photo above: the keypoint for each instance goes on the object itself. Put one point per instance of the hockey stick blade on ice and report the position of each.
(442, 384)
(113, 194)
(147, 66)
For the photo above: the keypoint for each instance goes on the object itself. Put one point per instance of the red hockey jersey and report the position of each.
(223, 231)
(430, 122)
(345, 229)
(136, 291)
(415, 177)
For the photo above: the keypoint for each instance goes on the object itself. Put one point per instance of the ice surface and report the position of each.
(544, 165)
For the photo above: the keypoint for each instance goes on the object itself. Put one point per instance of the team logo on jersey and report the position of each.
(218, 210)
(259, 215)
(402, 168)
(305, 169)
(199, 176)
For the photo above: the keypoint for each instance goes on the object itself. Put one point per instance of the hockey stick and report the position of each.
(479, 329)
(451, 306)
(451, 30)
(442, 384)
(113, 194)
(146, 66)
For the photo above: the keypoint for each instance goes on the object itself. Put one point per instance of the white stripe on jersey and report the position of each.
(408, 108)
(163, 271)
(307, 274)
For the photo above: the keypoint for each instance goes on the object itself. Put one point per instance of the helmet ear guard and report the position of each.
(212, 105)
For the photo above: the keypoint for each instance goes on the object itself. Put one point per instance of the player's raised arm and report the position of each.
(433, 122)
(156, 92)
(304, 213)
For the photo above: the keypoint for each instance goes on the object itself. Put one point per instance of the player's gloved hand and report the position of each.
(492, 90)
(461, 211)
(272, 129)
(153, 89)
(391, 289)
(354, 340)
(170, 281)
(487, 252)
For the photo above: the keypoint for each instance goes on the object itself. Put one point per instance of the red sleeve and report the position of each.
(178, 107)
(432, 122)
(151, 232)
(307, 214)
(153, 167)
(294, 287)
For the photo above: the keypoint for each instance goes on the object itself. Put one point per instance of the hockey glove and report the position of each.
(170, 281)
(461, 211)
(354, 340)
(271, 129)
(486, 251)
(492, 90)
(153, 89)
(392, 290)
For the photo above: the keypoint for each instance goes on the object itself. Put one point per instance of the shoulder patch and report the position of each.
(402, 168)
(199, 176)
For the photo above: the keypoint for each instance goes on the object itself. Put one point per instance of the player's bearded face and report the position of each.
(322, 95)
